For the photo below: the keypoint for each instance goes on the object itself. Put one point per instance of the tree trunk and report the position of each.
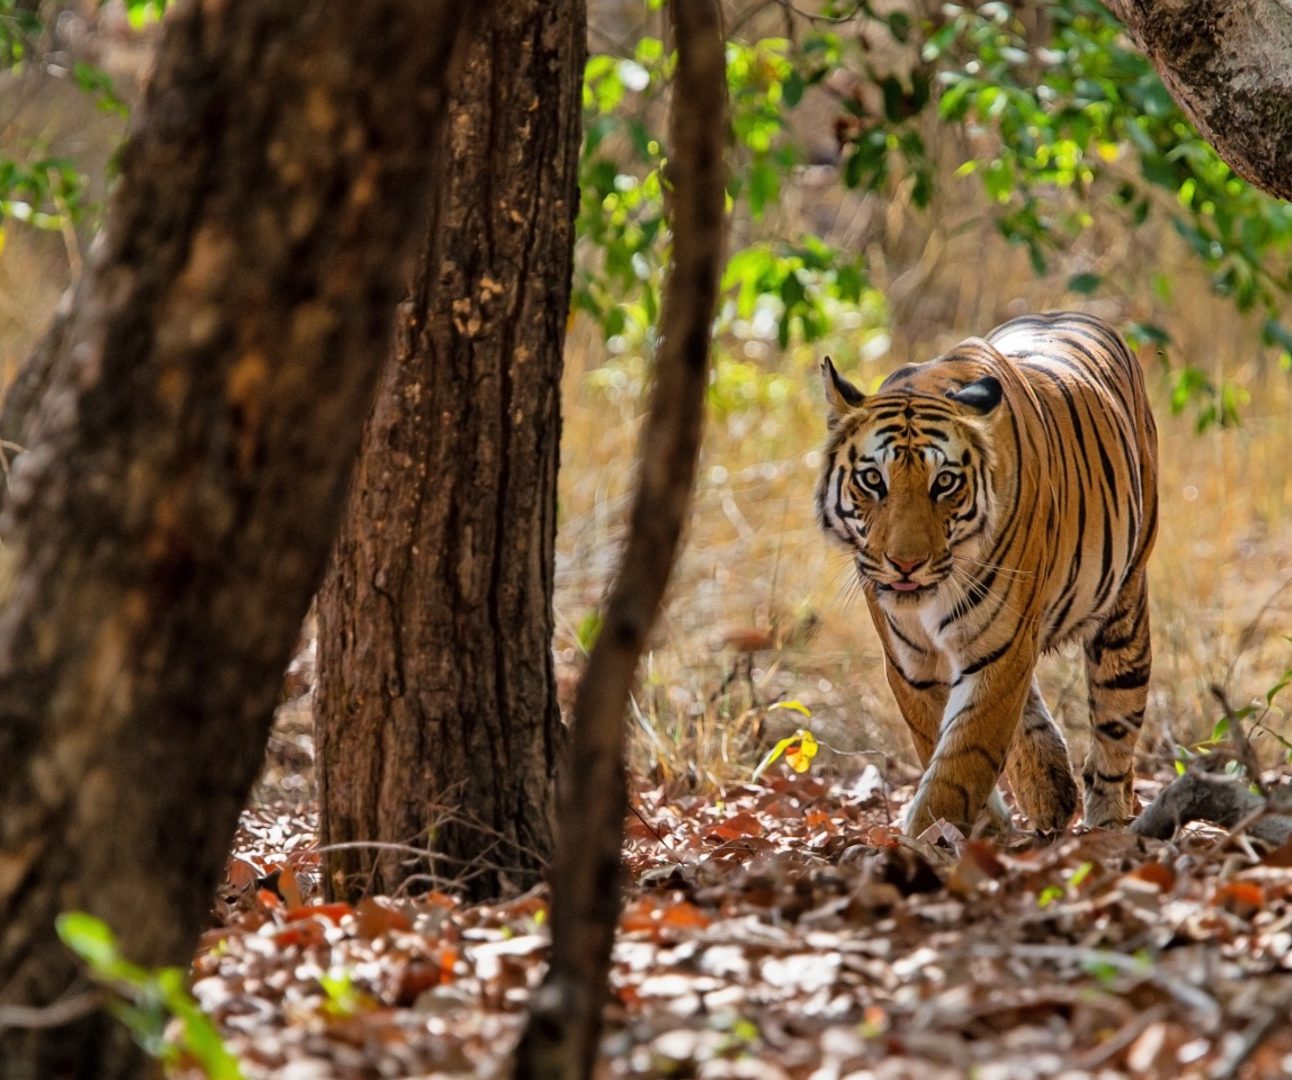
(1229, 66)
(22, 399)
(565, 1019)
(163, 534)
(436, 711)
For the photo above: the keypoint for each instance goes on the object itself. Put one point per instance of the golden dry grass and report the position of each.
(755, 566)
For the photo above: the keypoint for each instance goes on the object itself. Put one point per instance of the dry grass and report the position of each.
(756, 570)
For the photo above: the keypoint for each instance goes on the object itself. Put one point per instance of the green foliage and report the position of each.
(148, 1001)
(37, 189)
(344, 999)
(19, 27)
(793, 280)
(800, 280)
(44, 192)
(99, 85)
(142, 12)
(588, 630)
(1077, 111)
(1058, 111)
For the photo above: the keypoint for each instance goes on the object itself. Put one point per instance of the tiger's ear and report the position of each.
(840, 395)
(981, 396)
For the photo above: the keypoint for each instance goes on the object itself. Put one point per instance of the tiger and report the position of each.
(998, 502)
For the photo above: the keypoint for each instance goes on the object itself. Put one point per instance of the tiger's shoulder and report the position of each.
(1045, 360)
(1070, 349)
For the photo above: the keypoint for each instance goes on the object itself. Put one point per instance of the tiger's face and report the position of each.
(906, 483)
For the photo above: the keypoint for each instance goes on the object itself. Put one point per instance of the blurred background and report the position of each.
(904, 174)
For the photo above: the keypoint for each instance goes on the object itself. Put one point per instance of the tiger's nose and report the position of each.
(907, 566)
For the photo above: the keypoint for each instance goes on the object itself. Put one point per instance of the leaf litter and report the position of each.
(784, 928)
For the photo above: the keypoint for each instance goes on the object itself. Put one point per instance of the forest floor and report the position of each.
(785, 929)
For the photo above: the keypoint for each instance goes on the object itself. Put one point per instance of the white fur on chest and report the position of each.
(920, 622)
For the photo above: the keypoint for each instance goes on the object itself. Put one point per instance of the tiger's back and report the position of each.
(1001, 500)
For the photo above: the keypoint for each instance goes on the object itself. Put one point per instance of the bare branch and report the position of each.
(565, 1020)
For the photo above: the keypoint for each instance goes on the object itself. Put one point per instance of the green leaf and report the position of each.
(801, 738)
(1049, 895)
(143, 1000)
(1084, 283)
(98, 83)
(1284, 681)
(792, 88)
(1275, 333)
(90, 938)
(139, 13)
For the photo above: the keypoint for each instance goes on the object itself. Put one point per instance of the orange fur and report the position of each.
(999, 501)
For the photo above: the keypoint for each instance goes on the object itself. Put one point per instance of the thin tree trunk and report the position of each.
(163, 534)
(436, 710)
(565, 1021)
(34, 378)
(1229, 66)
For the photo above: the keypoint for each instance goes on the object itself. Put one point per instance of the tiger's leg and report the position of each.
(982, 712)
(1039, 769)
(923, 703)
(1119, 658)
(922, 698)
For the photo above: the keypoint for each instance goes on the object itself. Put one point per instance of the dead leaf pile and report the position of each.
(787, 929)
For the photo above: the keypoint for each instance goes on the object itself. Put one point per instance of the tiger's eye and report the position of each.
(945, 482)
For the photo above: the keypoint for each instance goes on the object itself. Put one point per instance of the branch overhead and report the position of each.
(1229, 66)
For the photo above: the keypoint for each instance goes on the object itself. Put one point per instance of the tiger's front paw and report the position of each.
(932, 804)
(1107, 805)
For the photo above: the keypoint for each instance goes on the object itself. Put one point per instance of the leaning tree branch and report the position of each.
(1222, 800)
(1229, 67)
(565, 1021)
(1246, 806)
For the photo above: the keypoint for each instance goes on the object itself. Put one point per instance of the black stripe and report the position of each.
(955, 786)
(1130, 679)
(918, 684)
(904, 639)
(985, 661)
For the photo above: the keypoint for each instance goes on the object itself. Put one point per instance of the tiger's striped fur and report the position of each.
(1000, 501)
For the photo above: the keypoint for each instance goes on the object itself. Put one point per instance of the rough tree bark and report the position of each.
(165, 530)
(436, 710)
(1229, 66)
(565, 1020)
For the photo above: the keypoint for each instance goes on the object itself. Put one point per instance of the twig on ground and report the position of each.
(1191, 997)
(1237, 1047)
(1242, 744)
(1093, 1058)
(50, 1016)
